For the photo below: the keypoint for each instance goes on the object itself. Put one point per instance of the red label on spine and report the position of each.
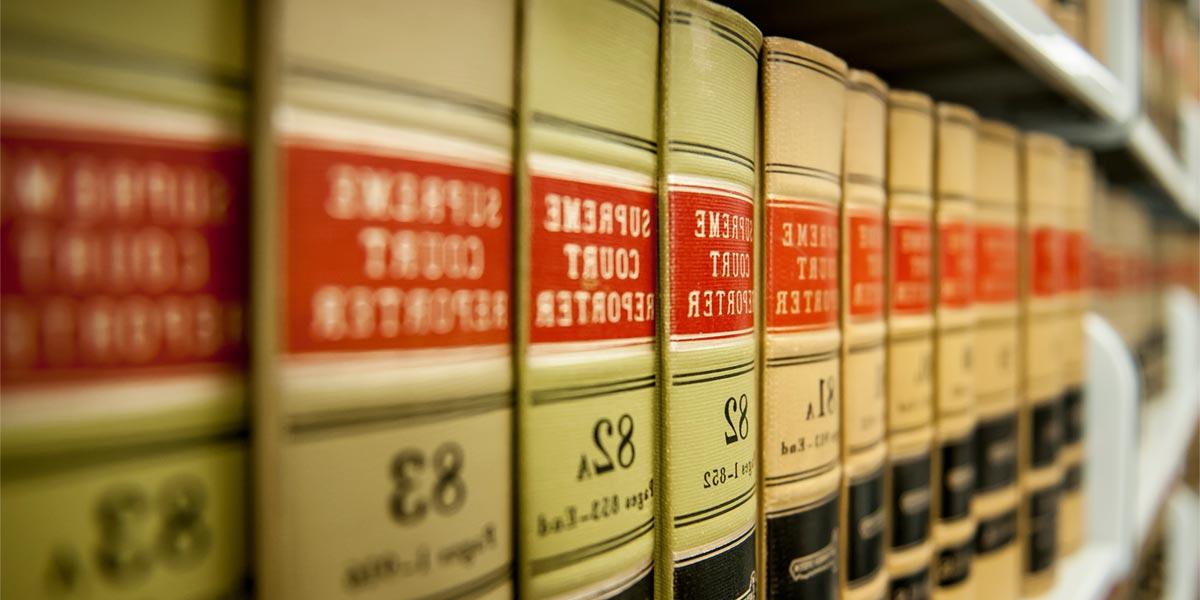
(911, 263)
(1047, 255)
(956, 259)
(594, 264)
(712, 264)
(389, 253)
(120, 253)
(1105, 268)
(802, 265)
(1075, 254)
(865, 239)
(995, 263)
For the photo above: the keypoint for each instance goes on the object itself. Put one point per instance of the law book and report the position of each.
(954, 345)
(1133, 311)
(1043, 162)
(804, 99)
(864, 409)
(708, 334)
(1077, 223)
(382, 360)
(588, 245)
(122, 297)
(996, 565)
(909, 342)
(1117, 267)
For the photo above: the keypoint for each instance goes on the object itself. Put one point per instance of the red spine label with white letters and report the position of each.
(911, 266)
(389, 253)
(121, 254)
(956, 262)
(866, 264)
(1047, 256)
(712, 262)
(1075, 254)
(802, 265)
(594, 267)
(1105, 269)
(995, 263)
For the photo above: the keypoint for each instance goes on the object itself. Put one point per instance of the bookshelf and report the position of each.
(1008, 60)
(1168, 424)
(1183, 541)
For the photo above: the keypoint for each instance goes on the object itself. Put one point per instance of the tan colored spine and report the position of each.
(954, 341)
(997, 557)
(1043, 188)
(1080, 181)
(910, 340)
(864, 410)
(804, 91)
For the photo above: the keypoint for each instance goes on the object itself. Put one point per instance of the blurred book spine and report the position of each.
(122, 297)
(1080, 181)
(954, 346)
(588, 243)
(709, 424)
(804, 98)
(1043, 191)
(910, 341)
(864, 409)
(383, 281)
(997, 556)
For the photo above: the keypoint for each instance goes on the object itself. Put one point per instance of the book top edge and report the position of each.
(910, 99)
(998, 130)
(806, 51)
(1043, 143)
(867, 79)
(949, 111)
(723, 15)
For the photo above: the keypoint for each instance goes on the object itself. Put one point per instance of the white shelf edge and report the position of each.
(1170, 421)
(1037, 42)
(1087, 574)
(1034, 40)
(1152, 151)
(1183, 546)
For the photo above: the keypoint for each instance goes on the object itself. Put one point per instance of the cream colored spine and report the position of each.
(123, 413)
(1080, 190)
(383, 363)
(587, 386)
(910, 340)
(954, 345)
(997, 554)
(1043, 191)
(709, 241)
(804, 90)
(864, 410)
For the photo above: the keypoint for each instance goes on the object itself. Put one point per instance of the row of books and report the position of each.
(555, 298)
(1170, 66)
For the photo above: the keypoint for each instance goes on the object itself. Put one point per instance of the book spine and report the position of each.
(708, 333)
(122, 299)
(910, 342)
(385, 366)
(1043, 165)
(954, 345)
(588, 240)
(864, 410)
(997, 556)
(1080, 178)
(804, 91)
